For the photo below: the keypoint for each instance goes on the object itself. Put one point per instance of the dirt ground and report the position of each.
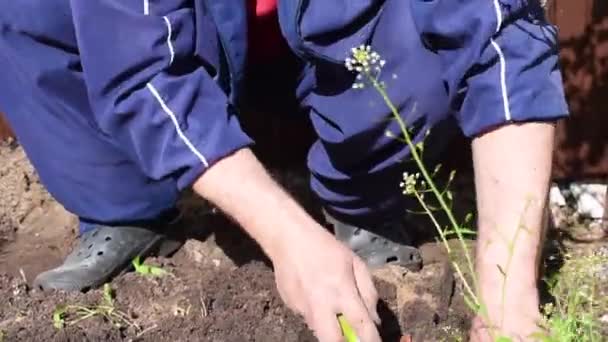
(220, 287)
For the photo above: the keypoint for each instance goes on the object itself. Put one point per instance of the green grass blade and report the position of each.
(147, 270)
(108, 294)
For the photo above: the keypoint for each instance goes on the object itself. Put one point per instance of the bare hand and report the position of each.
(319, 278)
(518, 319)
(512, 185)
(517, 328)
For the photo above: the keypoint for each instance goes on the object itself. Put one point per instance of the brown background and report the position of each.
(5, 131)
(581, 140)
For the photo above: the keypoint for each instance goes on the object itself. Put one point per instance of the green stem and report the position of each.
(470, 291)
(426, 175)
(511, 247)
(82, 318)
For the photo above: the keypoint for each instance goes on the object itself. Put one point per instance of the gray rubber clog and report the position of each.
(101, 254)
(386, 244)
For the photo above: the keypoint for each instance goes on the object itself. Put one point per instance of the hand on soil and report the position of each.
(512, 307)
(517, 327)
(319, 278)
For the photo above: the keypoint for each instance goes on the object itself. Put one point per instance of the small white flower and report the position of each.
(366, 63)
(409, 183)
(349, 63)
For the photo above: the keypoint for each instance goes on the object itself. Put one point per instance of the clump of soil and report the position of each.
(220, 287)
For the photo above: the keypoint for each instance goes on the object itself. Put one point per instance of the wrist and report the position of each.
(240, 186)
(290, 234)
(516, 271)
(500, 294)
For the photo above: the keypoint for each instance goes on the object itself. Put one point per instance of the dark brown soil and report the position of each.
(220, 288)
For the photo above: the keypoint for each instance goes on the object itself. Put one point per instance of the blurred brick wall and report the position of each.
(582, 140)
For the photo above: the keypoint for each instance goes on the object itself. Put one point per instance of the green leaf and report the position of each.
(504, 339)
(59, 317)
(437, 169)
(449, 196)
(108, 294)
(147, 270)
(157, 271)
(136, 263)
(452, 175)
(347, 331)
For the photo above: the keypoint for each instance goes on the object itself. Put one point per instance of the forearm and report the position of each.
(512, 175)
(241, 187)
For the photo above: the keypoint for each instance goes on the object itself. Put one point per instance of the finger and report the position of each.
(324, 324)
(367, 289)
(357, 315)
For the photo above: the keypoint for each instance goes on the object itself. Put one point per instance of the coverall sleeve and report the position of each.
(459, 31)
(150, 94)
(499, 58)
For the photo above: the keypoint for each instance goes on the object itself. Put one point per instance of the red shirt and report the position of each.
(266, 41)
